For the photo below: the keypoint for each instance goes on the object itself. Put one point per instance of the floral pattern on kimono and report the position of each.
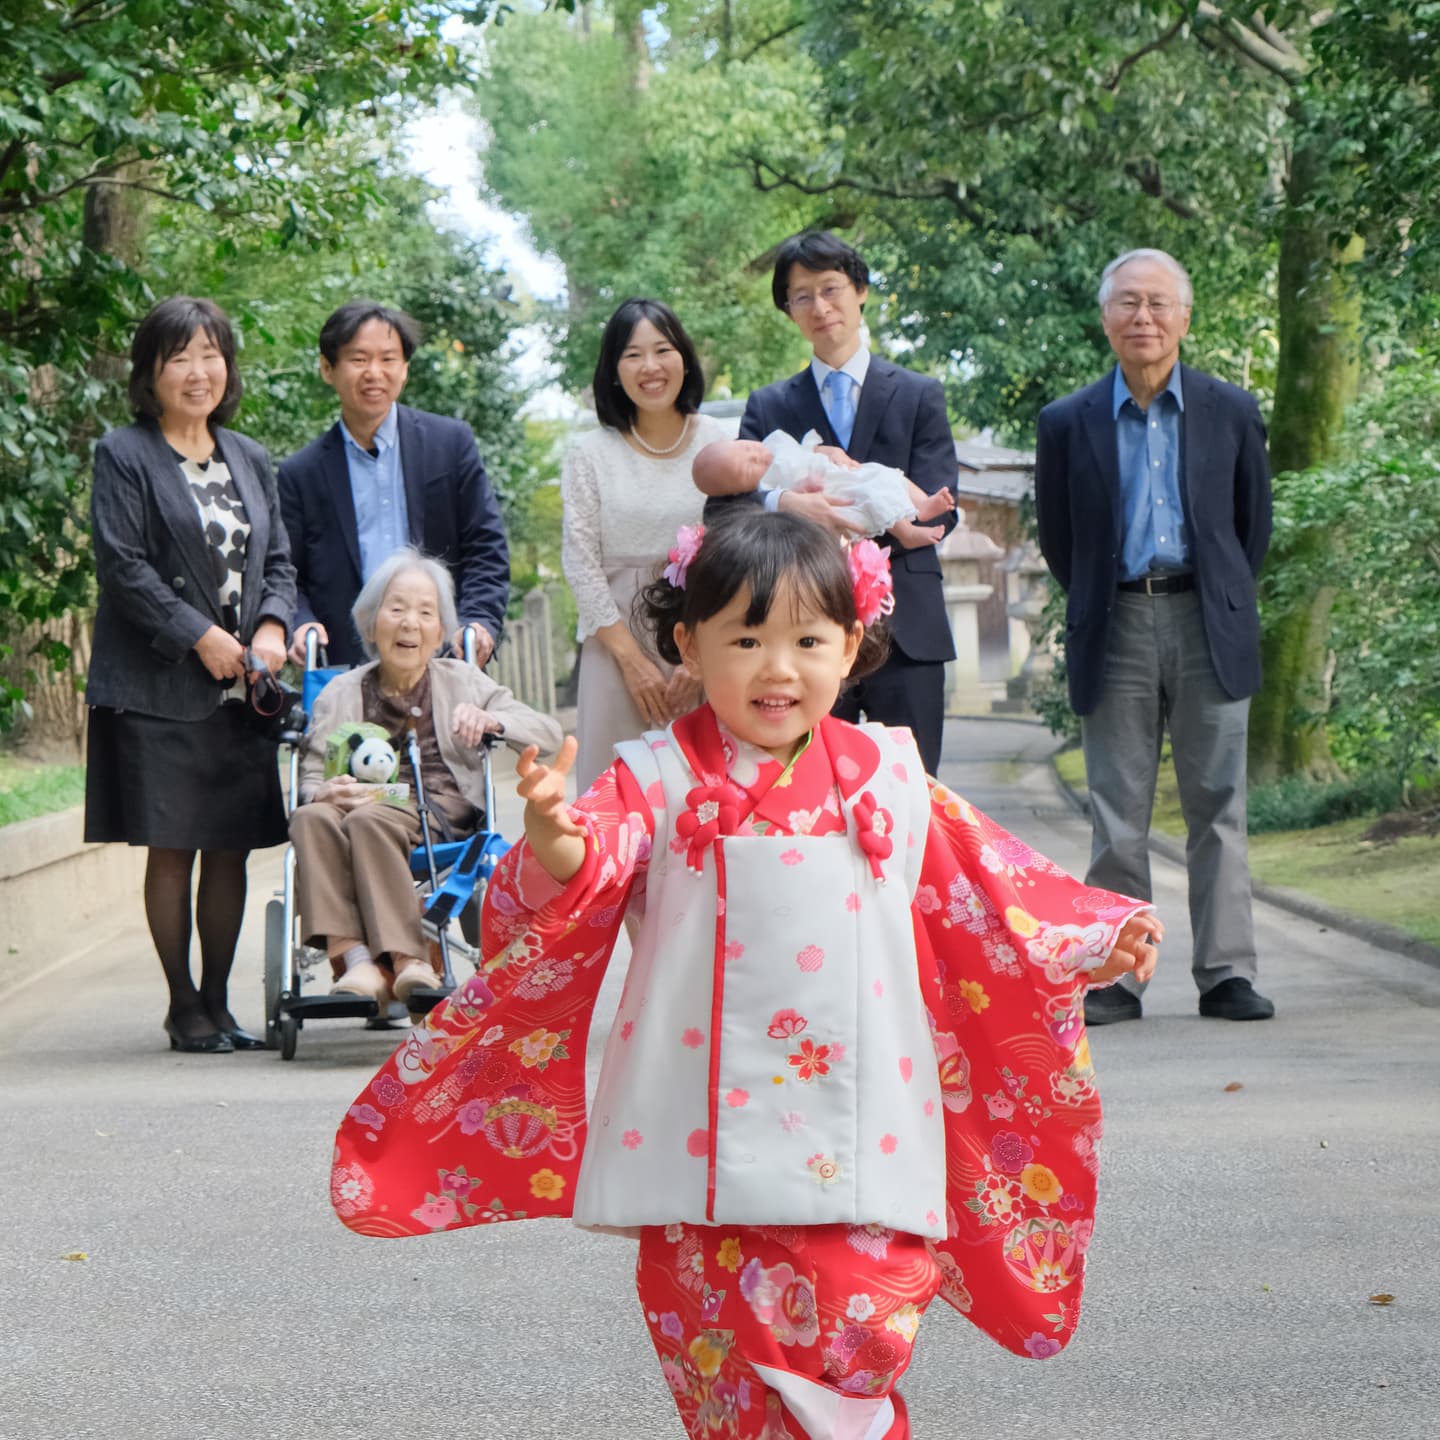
(480, 1114)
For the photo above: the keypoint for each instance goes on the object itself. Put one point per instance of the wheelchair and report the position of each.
(450, 876)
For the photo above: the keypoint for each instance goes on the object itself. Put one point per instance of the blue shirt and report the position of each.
(377, 485)
(1154, 538)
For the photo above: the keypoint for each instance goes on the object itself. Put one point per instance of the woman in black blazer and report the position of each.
(194, 569)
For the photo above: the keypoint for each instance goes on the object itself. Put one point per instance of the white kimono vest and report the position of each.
(771, 1062)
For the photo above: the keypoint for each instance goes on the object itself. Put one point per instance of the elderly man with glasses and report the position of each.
(1152, 494)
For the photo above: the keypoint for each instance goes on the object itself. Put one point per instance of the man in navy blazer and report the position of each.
(874, 411)
(1152, 496)
(382, 477)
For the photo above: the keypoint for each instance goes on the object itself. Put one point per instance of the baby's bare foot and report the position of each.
(942, 502)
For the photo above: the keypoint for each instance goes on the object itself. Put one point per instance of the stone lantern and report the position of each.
(962, 552)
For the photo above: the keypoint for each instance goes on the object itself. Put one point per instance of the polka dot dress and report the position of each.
(226, 525)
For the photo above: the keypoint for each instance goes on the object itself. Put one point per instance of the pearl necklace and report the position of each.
(669, 450)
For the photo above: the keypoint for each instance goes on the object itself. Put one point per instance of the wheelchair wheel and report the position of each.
(289, 1028)
(277, 942)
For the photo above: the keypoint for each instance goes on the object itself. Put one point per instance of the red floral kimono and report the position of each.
(480, 1116)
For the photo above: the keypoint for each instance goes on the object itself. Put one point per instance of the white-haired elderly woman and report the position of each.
(352, 849)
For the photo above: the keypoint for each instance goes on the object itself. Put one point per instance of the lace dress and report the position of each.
(621, 512)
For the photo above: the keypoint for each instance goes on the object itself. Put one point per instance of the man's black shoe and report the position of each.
(1233, 999)
(1105, 1007)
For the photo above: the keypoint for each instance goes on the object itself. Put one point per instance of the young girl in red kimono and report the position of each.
(849, 1069)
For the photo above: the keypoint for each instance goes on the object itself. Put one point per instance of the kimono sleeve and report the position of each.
(479, 1116)
(1003, 939)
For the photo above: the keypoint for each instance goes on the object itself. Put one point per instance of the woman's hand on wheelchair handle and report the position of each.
(472, 724)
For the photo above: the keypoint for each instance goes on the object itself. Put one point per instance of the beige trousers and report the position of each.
(353, 877)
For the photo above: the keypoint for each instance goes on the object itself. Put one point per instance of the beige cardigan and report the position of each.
(452, 683)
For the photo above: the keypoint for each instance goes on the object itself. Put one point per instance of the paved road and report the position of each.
(1240, 1236)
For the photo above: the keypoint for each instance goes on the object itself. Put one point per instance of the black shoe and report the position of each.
(1105, 1007)
(1235, 999)
(214, 1042)
(242, 1039)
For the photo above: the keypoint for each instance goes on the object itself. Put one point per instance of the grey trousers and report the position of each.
(1157, 674)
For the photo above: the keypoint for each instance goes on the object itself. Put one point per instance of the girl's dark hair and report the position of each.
(613, 407)
(759, 551)
(166, 331)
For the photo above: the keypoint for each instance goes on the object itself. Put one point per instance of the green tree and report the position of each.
(622, 148)
(119, 117)
(1289, 152)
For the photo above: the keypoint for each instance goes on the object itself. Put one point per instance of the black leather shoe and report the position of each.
(1235, 999)
(213, 1043)
(1105, 1007)
(242, 1039)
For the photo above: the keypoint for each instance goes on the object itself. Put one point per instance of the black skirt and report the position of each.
(211, 784)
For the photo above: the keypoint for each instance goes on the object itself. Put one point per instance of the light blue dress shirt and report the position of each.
(377, 485)
(1154, 537)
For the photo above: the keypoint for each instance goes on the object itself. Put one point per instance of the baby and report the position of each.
(877, 497)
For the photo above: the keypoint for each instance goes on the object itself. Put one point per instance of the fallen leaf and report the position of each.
(74, 1255)
(1233, 1085)
(1382, 1299)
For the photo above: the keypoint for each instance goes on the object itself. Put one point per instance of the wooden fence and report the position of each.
(526, 662)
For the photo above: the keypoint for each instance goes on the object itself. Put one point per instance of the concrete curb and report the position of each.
(1373, 932)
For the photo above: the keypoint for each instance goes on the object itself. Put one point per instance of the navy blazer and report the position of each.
(453, 516)
(901, 422)
(157, 591)
(1226, 491)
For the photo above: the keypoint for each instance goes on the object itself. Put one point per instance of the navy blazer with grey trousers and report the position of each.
(900, 421)
(1187, 662)
(451, 511)
(158, 593)
(1225, 486)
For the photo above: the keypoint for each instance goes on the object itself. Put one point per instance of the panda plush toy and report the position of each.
(364, 750)
(373, 759)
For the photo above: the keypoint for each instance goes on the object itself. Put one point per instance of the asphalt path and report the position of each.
(1260, 1183)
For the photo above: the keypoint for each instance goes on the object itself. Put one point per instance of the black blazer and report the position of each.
(900, 422)
(157, 592)
(453, 516)
(1226, 489)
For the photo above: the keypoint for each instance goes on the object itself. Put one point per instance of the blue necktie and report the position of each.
(840, 405)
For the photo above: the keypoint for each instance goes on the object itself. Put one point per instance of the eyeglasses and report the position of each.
(1129, 305)
(830, 294)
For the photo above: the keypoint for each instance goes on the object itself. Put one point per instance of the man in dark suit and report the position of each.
(1152, 494)
(873, 411)
(382, 477)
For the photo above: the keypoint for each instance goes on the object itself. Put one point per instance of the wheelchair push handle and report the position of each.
(314, 650)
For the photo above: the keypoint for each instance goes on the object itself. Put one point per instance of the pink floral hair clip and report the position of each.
(686, 548)
(870, 580)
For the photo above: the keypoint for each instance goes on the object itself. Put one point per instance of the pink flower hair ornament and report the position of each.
(685, 549)
(870, 580)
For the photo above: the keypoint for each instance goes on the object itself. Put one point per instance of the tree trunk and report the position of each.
(114, 224)
(1317, 373)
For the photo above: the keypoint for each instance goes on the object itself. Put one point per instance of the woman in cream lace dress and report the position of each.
(627, 489)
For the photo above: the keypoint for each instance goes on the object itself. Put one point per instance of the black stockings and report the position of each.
(219, 908)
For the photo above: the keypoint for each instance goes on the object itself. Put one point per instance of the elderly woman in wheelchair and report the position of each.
(352, 839)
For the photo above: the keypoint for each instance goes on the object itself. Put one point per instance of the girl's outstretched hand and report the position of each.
(1134, 951)
(558, 842)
